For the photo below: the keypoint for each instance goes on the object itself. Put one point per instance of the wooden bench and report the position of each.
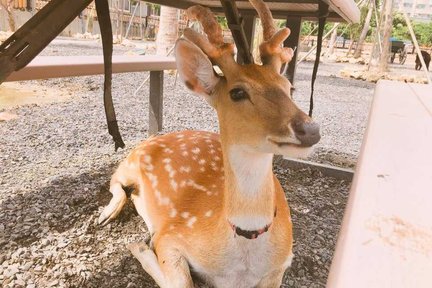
(44, 67)
(386, 235)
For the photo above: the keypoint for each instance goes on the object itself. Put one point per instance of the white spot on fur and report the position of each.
(217, 158)
(212, 151)
(185, 153)
(166, 160)
(202, 169)
(214, 166)
(149, 167)
(170, 170)
(197, 186)
(168, 151)
(173, 213)
(161, 199)
(173, 184)
(147, 159)
(209, 213)
(185, 214)
(165, 201)
(153, 180)
(196, 150)
(202, 161)
(191, 221)
(185, 169)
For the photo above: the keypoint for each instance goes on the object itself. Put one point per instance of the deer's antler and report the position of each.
(213, 46)
(271, 50)
(220, 53)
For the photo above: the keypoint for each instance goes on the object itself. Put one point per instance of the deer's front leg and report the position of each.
(148, 261)
(173, 264)
(169, 268)
(272, 280)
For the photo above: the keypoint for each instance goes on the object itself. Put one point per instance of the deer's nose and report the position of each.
(307, 132)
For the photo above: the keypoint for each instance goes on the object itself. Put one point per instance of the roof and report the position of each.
(340, 10)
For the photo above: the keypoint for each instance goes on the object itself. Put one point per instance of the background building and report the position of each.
(418, 10)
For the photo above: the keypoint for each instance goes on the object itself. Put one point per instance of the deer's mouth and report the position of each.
(290, 147)
(292, 142)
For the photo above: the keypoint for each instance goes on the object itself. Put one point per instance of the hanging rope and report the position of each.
(323, 13)
(102, 10)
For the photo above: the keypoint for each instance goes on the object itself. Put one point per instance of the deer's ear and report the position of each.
(195, 68)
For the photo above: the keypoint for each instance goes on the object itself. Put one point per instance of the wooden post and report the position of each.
(121, 20)
(155, 102)
(140, 21)
(294, 24)
(237, 30)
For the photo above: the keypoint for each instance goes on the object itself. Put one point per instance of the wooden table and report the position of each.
(386, 235)
(43, 67)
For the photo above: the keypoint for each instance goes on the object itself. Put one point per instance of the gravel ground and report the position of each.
(56, 161)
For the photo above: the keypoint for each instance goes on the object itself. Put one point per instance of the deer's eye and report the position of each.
(238, 94)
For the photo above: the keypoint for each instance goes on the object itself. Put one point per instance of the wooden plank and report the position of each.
(156, 102)
(324, 169)
(44, 67)
(386, 235)
(343, 9)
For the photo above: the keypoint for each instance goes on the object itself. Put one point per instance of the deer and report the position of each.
(214, 208)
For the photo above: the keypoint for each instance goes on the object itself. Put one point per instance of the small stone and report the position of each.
(20, 282)
(26, 266)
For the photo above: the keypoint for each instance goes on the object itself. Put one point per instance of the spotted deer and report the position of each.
(211, 202)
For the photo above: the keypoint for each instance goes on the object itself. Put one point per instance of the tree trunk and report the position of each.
(359, 48)
(350, 46)
(8, 7)
(332, 41)
(168, 27)
(380, 51)
(387, 25)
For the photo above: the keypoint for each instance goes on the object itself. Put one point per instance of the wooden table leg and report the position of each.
(294, 24)
(156, 102)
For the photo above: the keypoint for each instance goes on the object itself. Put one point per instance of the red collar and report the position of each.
(251, 234)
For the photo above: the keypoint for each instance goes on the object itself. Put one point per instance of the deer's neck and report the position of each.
(249, 187)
